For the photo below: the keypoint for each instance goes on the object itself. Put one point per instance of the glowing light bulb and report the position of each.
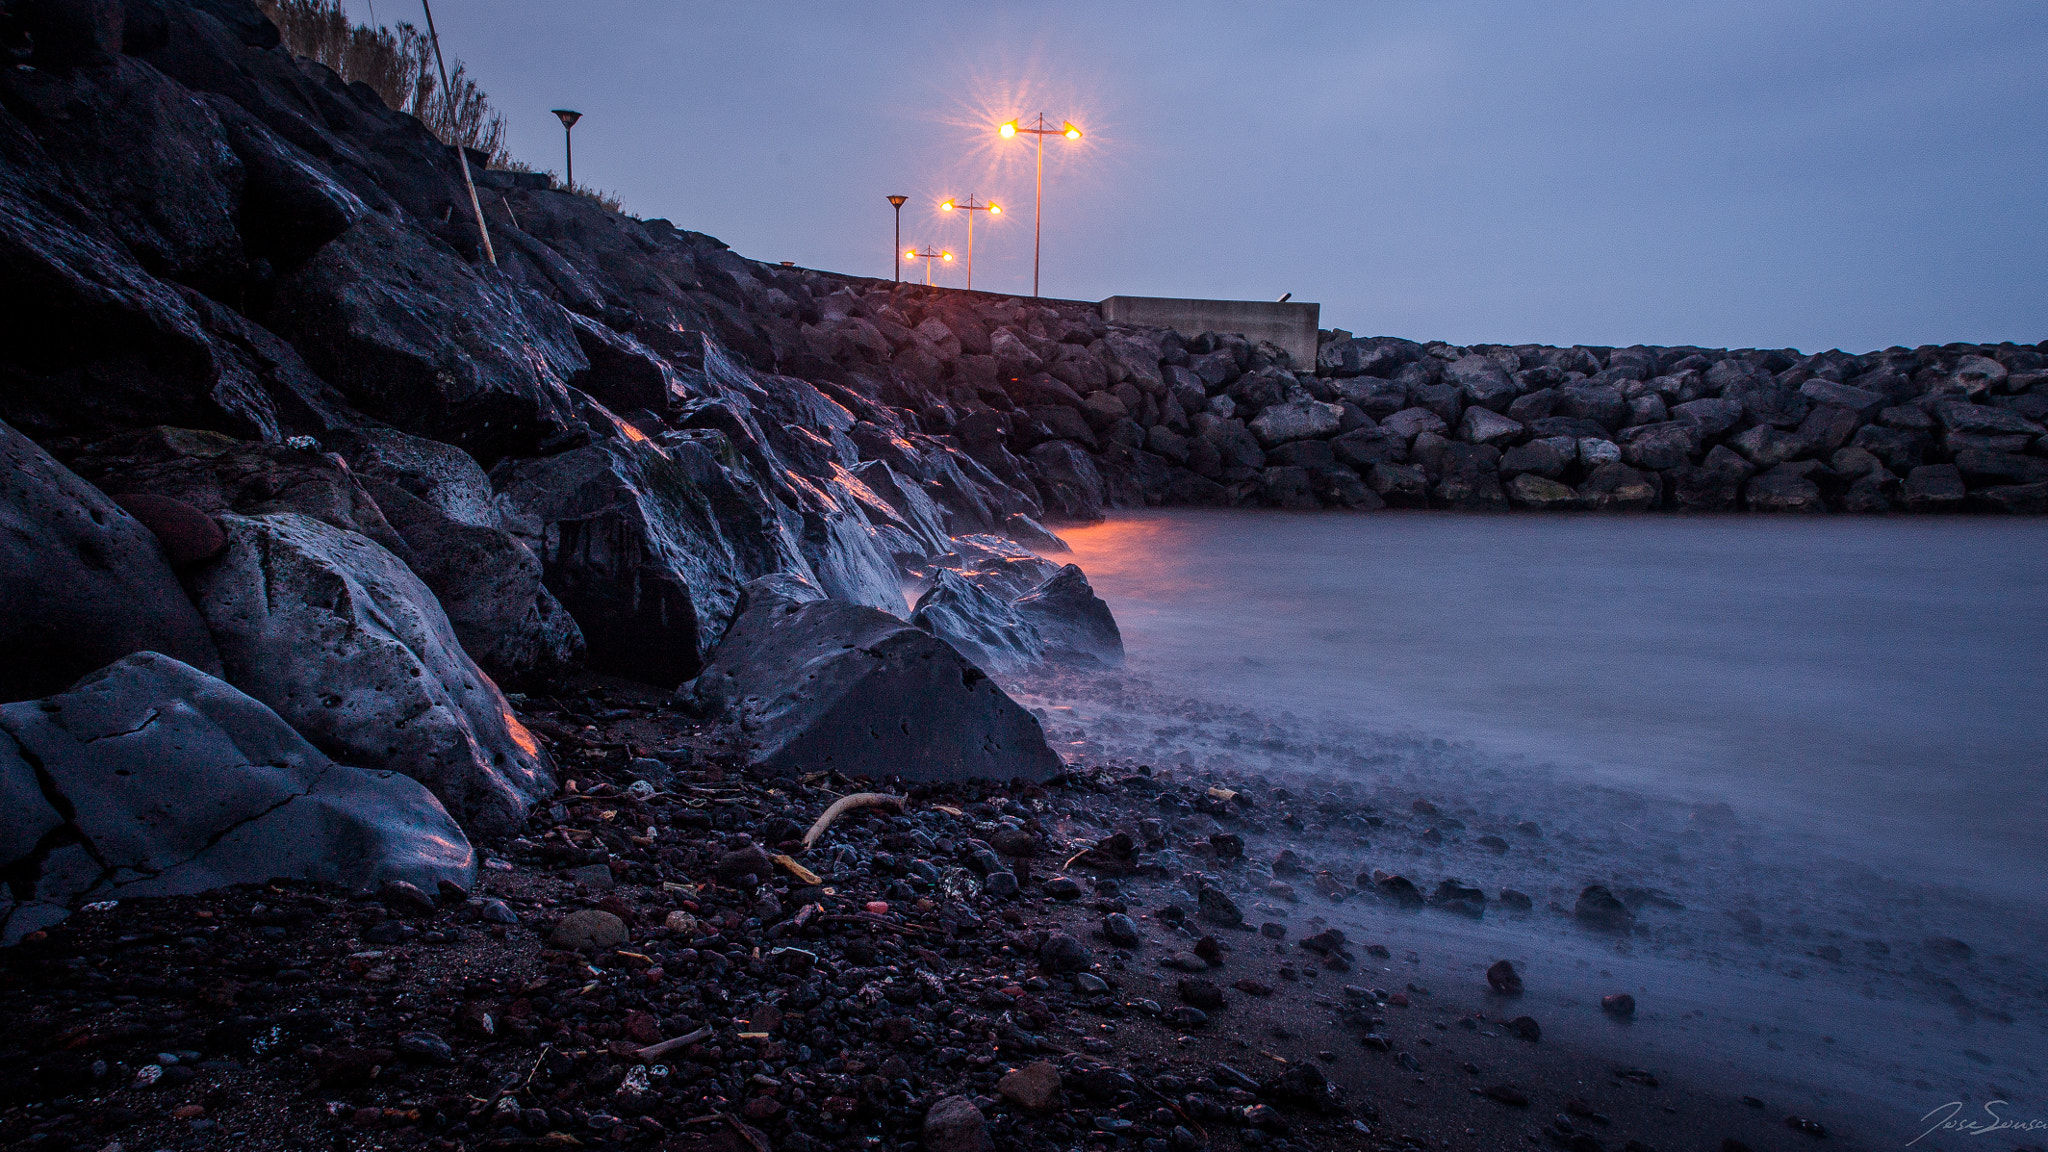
(1008, 130)
(995, 209)
(910, 255)
(948, 256)
(945, 205)
(1072, 133)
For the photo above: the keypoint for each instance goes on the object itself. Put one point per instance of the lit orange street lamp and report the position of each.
(948, 205)
(1066, 129)
(928, 255)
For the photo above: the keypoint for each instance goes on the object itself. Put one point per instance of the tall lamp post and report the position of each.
(928, 255)
(970, 207)
(569, 120)
(896, 202)
(1066, 129)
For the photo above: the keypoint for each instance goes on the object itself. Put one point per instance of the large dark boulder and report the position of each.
(982, 626)
(831, 686)
(412, 334)
(647, 544)
(217, 473)
(151, 778)
(460, 542)
(1072, 620)
(344, 642)
(1069, 481)
(82, 584)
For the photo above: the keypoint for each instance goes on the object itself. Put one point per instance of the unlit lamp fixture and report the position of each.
(569, 120)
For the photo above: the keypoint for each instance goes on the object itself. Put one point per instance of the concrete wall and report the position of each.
(1291, 325)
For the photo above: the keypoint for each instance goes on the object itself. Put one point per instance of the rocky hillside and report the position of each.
(268, 410)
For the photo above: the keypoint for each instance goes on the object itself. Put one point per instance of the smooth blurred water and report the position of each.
(1883, 683)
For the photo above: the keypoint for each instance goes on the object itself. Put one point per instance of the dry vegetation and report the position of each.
(399, 64)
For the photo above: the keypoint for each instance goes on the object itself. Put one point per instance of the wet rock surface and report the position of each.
(730, 989)
(826, 685)
(150, 777)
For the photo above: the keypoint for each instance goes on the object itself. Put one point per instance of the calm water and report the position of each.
(1866, 696)
(1880, 682)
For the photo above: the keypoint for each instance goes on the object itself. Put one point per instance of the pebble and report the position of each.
(596, 877)
(1619, 1004)
(1035, 1086)
(590, 929)
(1063, 953)
(497, 912)
(955, 1124)
(1121, 930)
(1503, 978)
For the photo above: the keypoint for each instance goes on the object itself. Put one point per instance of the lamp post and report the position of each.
(569, 120)
(970, 207)
(928, 255)
(896, 202)
(1066, 129)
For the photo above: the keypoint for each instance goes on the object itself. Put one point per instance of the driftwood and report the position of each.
(845, 804)
(657, 1051)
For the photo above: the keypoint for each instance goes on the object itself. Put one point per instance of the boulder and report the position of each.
(1285, 486)
(1767, 447)
(345, 642)
(828, 685)
(1530, 490)
(188, 535)
(440, 502)
(1698, 488)
(1482, 426)
(82, 583)
(1547, 458)
(1616, 487)
(1783, 489)
(1712, 416)
(955, 1124)
(1365, 447)
(647, 544)
(216, 473)
(1659, 447)
(1983, 420)
(2007, 468)
(979, 625)
(1400, 485)
(2015, 499)
(1603, 404)
(1409, 422)
(152, 778)
(1483, 383)
(1934, 488)
(1075, 624)
(1864, 403)
(1069, 482)
(1300, 420)
(411, 333)
(1471, 479)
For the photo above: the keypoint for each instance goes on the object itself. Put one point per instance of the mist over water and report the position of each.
(1809, 750)
(1883, 681)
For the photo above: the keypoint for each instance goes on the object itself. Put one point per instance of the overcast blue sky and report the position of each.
(1721, 172)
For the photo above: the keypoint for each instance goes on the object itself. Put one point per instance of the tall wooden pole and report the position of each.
(461, 153)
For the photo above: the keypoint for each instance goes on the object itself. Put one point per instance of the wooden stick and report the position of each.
(847, 804)
(657, 1051)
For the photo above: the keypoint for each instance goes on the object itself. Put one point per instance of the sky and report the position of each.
(1727, 173)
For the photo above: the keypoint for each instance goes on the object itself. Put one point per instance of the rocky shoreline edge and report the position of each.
(656, 960)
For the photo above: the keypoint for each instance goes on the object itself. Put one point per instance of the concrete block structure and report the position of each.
(1291, 325)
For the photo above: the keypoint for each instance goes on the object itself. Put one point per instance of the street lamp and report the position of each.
(896, 202)
(928, 255)
(569, 120)
(1066, 129)
(948, 205)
